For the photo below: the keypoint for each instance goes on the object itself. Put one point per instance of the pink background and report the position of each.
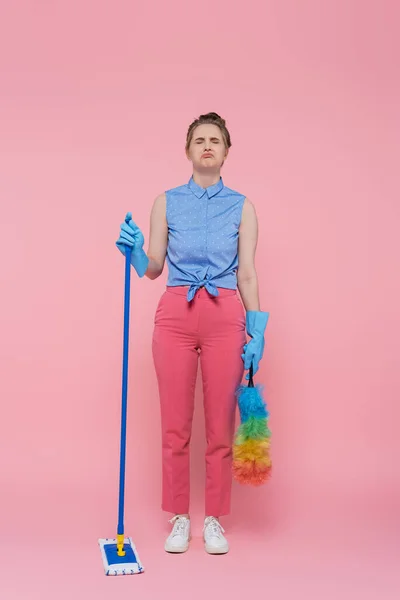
(95, 100)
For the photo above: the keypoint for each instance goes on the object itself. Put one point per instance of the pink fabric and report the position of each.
(212, 328)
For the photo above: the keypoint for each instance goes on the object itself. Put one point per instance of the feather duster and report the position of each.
(251, 447)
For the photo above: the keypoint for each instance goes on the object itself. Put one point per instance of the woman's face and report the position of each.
(207, 149)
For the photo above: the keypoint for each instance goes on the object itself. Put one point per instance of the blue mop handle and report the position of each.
(120, 530)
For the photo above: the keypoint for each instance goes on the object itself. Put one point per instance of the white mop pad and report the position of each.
(120, 565)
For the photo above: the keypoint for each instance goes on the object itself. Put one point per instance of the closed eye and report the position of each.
(201, 140)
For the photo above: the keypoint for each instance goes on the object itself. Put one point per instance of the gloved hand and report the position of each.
(131, 235)
(256, 322)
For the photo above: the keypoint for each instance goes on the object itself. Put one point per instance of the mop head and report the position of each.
(120, 565)
(251, 448)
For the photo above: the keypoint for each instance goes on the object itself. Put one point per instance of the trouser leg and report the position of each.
(222, 339)
(176, 360)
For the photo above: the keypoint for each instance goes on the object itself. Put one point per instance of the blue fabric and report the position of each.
(203, 232)
(111, 551)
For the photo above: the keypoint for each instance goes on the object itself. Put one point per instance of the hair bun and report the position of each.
(214, 117)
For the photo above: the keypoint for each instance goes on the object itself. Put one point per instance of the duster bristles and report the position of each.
(251, 458)
(254, 429)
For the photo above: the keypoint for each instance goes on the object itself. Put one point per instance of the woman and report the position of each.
(208, 235)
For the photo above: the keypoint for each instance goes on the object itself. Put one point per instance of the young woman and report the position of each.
(207, 232)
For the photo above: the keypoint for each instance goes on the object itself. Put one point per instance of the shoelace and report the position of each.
(215, 527)
(179, 525)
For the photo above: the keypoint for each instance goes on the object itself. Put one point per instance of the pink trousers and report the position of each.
(212, 328)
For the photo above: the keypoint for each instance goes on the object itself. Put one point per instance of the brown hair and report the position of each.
(209, 118)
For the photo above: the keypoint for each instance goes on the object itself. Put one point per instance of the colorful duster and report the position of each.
(251, 448)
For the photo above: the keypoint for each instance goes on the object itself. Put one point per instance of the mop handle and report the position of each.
(120, 530)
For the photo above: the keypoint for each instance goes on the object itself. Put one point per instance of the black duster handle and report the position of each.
(251, 382)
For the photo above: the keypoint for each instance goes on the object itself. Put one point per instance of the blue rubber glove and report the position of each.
(131, 235)
(256, 322)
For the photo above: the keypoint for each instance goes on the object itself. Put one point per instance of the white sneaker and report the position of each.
(179, 538)
(215, 542)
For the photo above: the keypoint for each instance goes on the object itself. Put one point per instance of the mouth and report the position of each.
(207, 155)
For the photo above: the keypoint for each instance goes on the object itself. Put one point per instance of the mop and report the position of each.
(251, 458)
(119, 554)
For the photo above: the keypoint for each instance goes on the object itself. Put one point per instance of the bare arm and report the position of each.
(247, 275)
(158, 239)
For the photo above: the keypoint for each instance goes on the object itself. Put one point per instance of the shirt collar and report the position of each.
(211, 190)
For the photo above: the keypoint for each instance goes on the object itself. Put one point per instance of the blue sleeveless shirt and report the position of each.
(203, 233)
